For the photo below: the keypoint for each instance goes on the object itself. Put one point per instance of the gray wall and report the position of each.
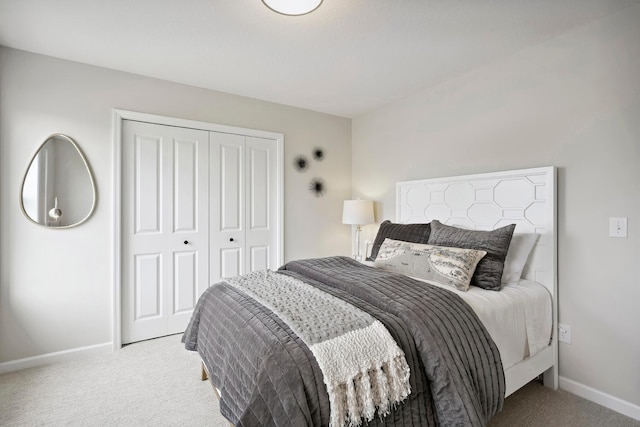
(571, 102)
(56, 286)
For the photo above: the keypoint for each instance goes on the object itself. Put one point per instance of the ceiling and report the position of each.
(346, 58)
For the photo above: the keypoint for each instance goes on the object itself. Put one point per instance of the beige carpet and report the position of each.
(535, 405)
(151, 383)
(157, 383)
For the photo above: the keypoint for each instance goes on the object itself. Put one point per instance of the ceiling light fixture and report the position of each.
(292, 7)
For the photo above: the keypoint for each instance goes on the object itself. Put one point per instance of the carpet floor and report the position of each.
(157, 383)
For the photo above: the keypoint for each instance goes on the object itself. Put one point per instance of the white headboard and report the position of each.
(525, 197)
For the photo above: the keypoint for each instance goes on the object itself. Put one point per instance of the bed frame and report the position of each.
(525, 197)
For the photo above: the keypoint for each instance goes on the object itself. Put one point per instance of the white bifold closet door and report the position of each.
(165, 227)
(243, 204)
(197, 206)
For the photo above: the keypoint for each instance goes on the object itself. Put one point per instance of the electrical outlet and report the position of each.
(618, 227)
(564, 333)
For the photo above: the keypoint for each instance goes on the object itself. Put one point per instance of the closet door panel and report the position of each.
(147, 286)
(185, 293)
(230, 262)
(231, 182)
(185, 187)
(190, 217)
(227, 205)
(258, 200)
(259, 258)
(165, 220)
(147, 183)
(261, 203)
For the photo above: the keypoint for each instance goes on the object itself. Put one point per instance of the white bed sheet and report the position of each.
(518, 317)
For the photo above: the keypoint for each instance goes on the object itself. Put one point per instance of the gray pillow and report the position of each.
(488, 274)
(414, 233)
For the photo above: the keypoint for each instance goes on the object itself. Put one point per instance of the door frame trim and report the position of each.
(118, 117)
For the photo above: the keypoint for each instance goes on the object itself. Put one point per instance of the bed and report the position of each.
(465, 350)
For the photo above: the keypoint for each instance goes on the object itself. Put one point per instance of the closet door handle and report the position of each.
(186, 242)
(231, 239)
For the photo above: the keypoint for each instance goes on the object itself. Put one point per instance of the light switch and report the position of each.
(617, 227)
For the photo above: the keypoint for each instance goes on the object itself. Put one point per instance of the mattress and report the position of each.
(518, 317)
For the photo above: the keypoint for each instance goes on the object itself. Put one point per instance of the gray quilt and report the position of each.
(267, 375)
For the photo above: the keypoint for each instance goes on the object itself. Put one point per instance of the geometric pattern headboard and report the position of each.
(525, 197)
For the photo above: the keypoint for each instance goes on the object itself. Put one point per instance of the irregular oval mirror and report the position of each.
(58, 189)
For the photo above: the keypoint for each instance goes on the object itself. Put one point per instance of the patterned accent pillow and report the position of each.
(449, 266)
(415, 233)
(488, 274)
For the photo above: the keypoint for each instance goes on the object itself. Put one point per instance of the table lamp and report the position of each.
(357, 212)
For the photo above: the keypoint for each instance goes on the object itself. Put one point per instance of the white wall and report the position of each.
(55, 285)
(572, 102)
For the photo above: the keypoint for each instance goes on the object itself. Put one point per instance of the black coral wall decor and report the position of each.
(317, 187)
(301, 163)
(318, 153)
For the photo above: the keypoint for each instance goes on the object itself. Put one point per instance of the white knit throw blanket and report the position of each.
(363, 367)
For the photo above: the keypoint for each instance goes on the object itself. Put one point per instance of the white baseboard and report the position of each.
(616, 404)
(58, 356)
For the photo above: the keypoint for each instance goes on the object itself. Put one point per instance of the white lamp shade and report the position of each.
(292, 7)
(357, 212)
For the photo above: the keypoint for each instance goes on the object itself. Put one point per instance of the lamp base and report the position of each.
(357, 255)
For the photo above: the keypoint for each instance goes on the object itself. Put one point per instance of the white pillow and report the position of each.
(517, 255)
(449, 266)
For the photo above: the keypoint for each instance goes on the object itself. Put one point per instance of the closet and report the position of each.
(197, 206)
